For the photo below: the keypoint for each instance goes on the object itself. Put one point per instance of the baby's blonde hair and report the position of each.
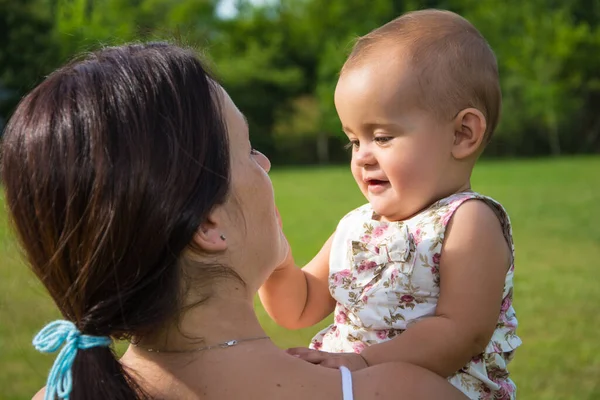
(455, 66)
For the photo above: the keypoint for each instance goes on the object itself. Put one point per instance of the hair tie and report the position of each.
(49, 339)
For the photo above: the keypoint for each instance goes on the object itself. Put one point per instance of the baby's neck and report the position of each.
(463, 188)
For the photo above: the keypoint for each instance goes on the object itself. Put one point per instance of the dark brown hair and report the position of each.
(454, 64)
(109, 167)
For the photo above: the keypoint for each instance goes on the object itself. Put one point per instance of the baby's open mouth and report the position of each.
(376, 186)
(376, 182)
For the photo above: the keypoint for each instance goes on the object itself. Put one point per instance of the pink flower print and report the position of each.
(366, 266)
(417, 236)
(341, 317)
(435, 270)
(436, 258)
(407, 298)
(380, 230)
(506, 303)
(317, 345)
(338, 277)
(366, 238)
(486, 393)
(506, 390)
(382, 334)
(358, 347)
(447, 216)
(497, 348)
(508, 324)
(371, 265)
(364, 299)
(394, 275)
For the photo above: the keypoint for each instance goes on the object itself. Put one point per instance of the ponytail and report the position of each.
(98, 375)
(85, 368)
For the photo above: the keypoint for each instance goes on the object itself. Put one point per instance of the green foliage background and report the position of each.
(280, 61)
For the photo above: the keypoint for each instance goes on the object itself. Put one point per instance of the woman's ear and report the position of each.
(469, 133)
(209, 237)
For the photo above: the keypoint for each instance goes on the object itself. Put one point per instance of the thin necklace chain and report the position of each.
(224, 345)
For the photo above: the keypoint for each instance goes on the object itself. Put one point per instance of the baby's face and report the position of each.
(401, 154)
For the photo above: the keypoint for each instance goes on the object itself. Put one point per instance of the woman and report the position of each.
(146, 213)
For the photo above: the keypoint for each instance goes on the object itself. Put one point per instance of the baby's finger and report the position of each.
(299, 350)
(315, 357)
(312, 356)
(332, 362)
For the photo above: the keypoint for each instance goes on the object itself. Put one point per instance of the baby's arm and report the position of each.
(297, 298)
(473, 267)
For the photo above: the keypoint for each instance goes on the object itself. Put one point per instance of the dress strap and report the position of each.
(346, 384)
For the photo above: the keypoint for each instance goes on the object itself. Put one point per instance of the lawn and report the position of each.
(554, 206)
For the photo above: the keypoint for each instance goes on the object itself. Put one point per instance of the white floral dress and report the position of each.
(385, 276)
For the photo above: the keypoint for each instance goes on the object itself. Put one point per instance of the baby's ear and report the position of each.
(469, 133)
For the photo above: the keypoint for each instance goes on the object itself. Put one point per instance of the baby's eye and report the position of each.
(353, 144)
(253, 151)
(383, 139)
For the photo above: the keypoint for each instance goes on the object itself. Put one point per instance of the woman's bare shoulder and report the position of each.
(40, 394)
(402, 381)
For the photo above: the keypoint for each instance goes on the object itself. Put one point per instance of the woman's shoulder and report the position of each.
(402, 381)
(277, 375)
(40, 394)
(391, 381)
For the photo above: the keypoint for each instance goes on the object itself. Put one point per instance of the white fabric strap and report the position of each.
(346, 384)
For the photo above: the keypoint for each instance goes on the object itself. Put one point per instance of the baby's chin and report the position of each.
(389, 212)
(384, 211)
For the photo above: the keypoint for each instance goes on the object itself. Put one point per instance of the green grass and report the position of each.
(554, 206)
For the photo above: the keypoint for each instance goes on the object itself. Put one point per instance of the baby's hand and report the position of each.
(352, 361)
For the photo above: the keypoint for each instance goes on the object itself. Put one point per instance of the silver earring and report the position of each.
(223, 237)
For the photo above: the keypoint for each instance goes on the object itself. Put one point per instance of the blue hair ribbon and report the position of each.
(49, 339)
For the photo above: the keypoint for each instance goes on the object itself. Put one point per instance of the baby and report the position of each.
(423, 273)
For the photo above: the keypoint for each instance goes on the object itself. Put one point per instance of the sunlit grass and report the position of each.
(554, 207)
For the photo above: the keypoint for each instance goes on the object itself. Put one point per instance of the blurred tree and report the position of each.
(259, 68)
(329, 30)
(585, 61)
(532, 52)
(26, 49)
(280, 60)
(81, 25)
